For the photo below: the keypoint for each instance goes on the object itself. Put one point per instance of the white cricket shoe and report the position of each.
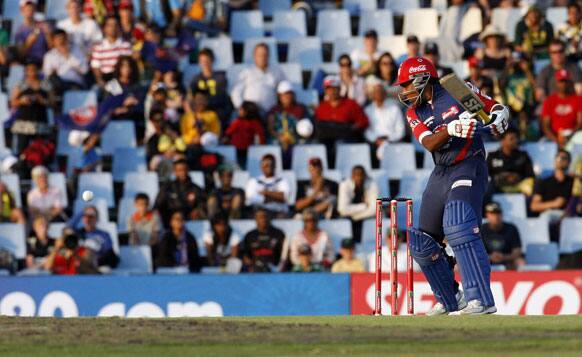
(475, 307)
(439, 309)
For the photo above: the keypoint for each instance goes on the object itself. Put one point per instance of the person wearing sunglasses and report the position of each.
(546, 83)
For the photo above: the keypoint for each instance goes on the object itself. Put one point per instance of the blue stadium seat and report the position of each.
(249, 48)
(308, 97)
(512, 204)
(542, 155)
(126, 160)
(368, 243)
(15, 72)
(356, 7)
(413, 183)
(100, 183)
(12, 182)
(570, 236)
(293, 73)
(55, 229)
(332, 24)
(531, 231)
(291, 178)
(99, 203)
(543, 254)
(557, 15)
(111, 228)
(222, 48)
(228, 152)
(240, 178)
(289, 226)
(188, 74)
(134, 260)
(256, 152)
(118, 134)
(289, 25)
(12, 238)
(246, 24)
(333, 175)
(381, 178)
(301, 156)
(63, 146)
(399, 7)
(56, 9)
(306, 51)
(380, 20)
(270, 7)
(427, 162)
(422, 23)
(397, 159)
(198, 178)
(125, 208)
(491, 146)
(346, 46)
(337, 229)
(78, 99)
(11, 10)
(242, 226)
(396, 45)
(136, 182)
(198, 229)
(233, 72)
(349, 155)
(506, 19)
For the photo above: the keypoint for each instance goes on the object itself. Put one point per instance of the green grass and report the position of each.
(283, 336)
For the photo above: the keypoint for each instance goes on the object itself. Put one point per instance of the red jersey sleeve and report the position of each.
(419, 129)
(487, 100)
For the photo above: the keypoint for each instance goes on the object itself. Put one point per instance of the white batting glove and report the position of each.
(499, 120)
(464, 127)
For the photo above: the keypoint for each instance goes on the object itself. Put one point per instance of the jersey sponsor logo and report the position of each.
(563, 109)
(419, 68)
(413, 122)
(451, 112)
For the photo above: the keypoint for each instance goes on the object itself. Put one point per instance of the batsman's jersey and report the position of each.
(429, 118)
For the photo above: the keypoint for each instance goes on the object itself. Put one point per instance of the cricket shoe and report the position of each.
(439, 309)
(475, 307)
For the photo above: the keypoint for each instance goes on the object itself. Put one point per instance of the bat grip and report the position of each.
(484, 117)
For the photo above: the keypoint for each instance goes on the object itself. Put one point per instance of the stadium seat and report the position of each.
(198, 229)
(270, 7)
(242, 226)
(222, 48)
(337, 229)
(12, 182)
(542, 155)
(531, 231)
(413, 183)
(396, 45)
(15, 71)
(427, 162)
(512, 204)
(289, 226)
(228, 152)
(399, 7)
(63, 146)
(134, 260)
(291, 178)
(99, 203)
(198, 178)
(289, 25)
(126, 160)
(422, 23)
(349, 155)
(379, 20)
(12, 238)
(100, 183)
(246, 24)
(78, 99)
(439, 5)
(461, 68)
(557, 16)
(356, 7)
(307, 97)
(125, 208)
(570, 236)
(249, 48)
(506, 20)
(346, 46)
(543, 254)
(118, 134)
(301, 156)
(136, 182)
(55, 229)
(472, 23)
(188, 74)
(307, 52)
(332, 24)
(256, 152)
(368, 243)
(56, 9)
(240, 178)
(397, 159)
(329, 68)
(11, 10)
(381, 178)
(233, 72)
(111, 228)
(293, 73)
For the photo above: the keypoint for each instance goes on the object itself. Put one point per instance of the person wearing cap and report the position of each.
(412, 49)
(320, 245)
(106, 53)
(32, 36)
(348, 262)
(64, 65)
(562, 111)
(197, 118)
(501, 239)
(357, 199)
(570, 32)
(83, 31)
(44, 199)
(262, 247)
(493, 57)
(225, 197)
(352, 85)
(533, 34)
(546, 80)
(318, 193)
(365, 59)
(269, 191)
(431, 52)
(305, 264)
(131, 31)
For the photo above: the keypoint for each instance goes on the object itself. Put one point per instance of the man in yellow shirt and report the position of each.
(347, 263)
(197, 118)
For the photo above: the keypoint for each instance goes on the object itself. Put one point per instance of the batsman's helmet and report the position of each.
(419, 71)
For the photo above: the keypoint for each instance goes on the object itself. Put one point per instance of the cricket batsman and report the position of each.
(452, 200)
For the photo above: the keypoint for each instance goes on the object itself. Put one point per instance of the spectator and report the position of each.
(546, 80)
(385, 71)
(9, 213)
(258, 82)
(90, 158)
(225, 197)
(511, 169)
(562, 111)
(262, 247)
(38, 244)
(181, 194)
(493, 57)
(157, 99)
(131, 31)
(357, 199)
(412, 49)
(313, 237)
(431, 52)
(352, 86)
(198, 119)
(317, 194)
(83, 31)
(348, 263)
(144, 225)
(268, 191)
(221, 242)
(245, 130)
(165, 14)
(282, 120)
(484, 83)
(98, 10)
(533, 34)
(553, 193)
(570, 32)
(177, 247)
(163, 146)
(69, 258)
(502, 240)
(44, 199)
(305, 262)
(32, 36)
(365, 59)
(157, 58)
(64, 66)
(105, 53)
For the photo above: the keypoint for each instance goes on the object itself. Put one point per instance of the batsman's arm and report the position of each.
(431, 141)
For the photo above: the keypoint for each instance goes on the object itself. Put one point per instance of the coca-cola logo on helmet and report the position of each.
(420, 68)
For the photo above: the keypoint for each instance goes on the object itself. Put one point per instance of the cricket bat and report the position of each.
(465, 96)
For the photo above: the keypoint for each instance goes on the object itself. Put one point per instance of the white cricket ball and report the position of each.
(87, 196)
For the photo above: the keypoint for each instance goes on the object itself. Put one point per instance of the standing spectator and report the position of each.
(198, 119)
(533, 34)
(385, 71)
(177, 247)
(493, 57)
(357, 199)
(144, 225)
(570, 32)
(262, 247)
(38, 244)
(431, 52)
(412, 49)
(44, 200)
(9, 213)
(562, 111)
(105, 53)
(225, 197)
(221, 243)
(69, 258)
(546, 80)
(268, 191)
(83, 31)
(314, 238)
(164, 13)
(348, 262)
(258, 82)
(352, 86)
(317, 194)
(180, 194)
(365, 59)
(502, 240)
(305, 262)
(32, 36)
(553, 193)
(64, 66)
(245, 130)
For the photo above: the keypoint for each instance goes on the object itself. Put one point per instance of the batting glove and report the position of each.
(499, 120)
(464, 127)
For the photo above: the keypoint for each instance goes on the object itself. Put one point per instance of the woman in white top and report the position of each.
(322, 252)
(357, 199)
(221, 242)
(44, 199)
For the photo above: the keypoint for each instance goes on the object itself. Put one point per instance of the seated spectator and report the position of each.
(562, 111)
(177, 247)
(225, 197)
(348, 263)
(493, 57)
(317, 194)
(385, 71)
(570, 32)
(245, 130)
(546, 80)
(163, 146)
(268, 191)
(221, 243)
(431, 52)
(144, 225)
(165, 14)
(167, 93)
(105, 53)
(511, 169)
(156, 57)
(38, 244)
(198, 119)
(501, 239)
(553, 193)
(131, 30)
(357, 199)
(412, 49)
(351, 85)
(32, 35)
(365, 59)
(82, 31)
(476, 76)
(282, 120)
(44, 199)
(258, 82)
(180, 194)
(64, 66)
(533, 34)
(305, 262)
(9, 212)
(317, 240)
(68, 257)
(262, 247)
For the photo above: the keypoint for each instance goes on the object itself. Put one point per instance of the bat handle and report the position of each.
(484, 117)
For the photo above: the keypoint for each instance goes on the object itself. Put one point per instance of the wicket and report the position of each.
(393, 246)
